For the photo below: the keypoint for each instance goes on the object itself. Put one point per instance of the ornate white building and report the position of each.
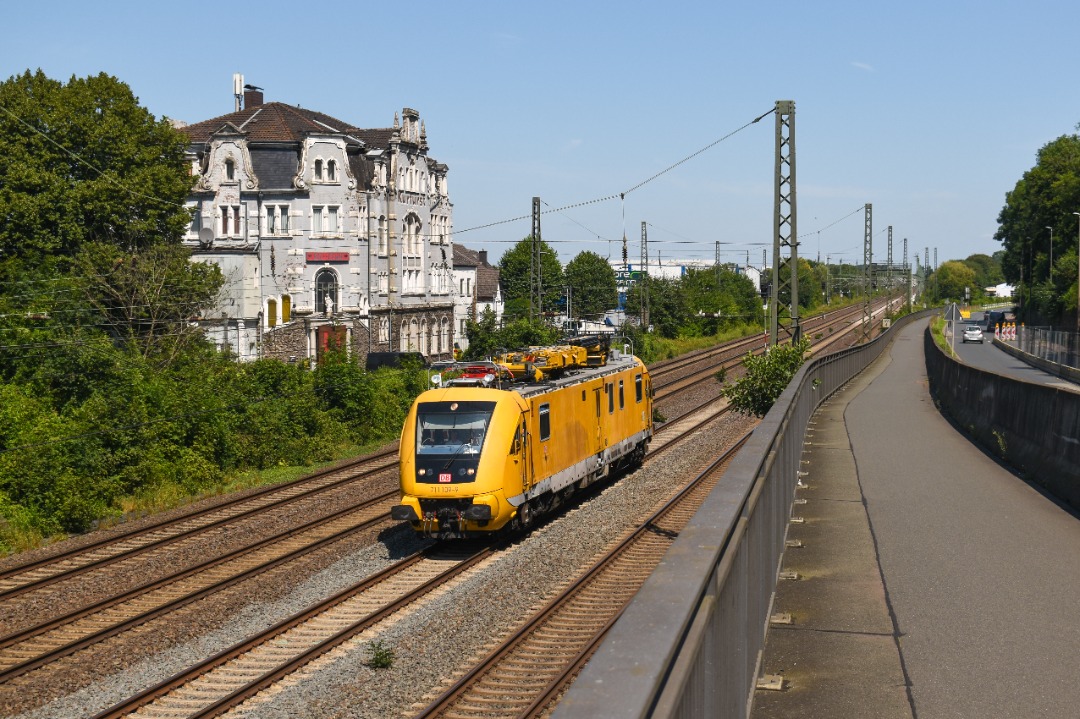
(328, 234)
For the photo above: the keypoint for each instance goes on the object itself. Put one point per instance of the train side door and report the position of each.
(519, 453)
(598, 435)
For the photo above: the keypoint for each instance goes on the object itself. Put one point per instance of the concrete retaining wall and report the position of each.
(1034, 428)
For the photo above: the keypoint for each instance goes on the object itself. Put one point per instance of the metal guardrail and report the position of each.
(1053, 346)
(690, 644)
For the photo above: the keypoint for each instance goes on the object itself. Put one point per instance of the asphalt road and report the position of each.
(981, 571)
(987, 357)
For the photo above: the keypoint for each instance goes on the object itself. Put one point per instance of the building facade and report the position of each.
(476, 284)
(328, 235)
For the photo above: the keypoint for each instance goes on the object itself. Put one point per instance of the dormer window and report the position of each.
(331, 171)
(230, 170)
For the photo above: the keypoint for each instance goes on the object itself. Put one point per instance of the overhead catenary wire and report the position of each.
(624, 193)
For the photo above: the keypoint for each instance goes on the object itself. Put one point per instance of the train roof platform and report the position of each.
(931, 579)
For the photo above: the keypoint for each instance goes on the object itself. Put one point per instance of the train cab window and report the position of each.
(545, 422)
(452, 428)
(637, 387)
(610, 398)
(621, 405)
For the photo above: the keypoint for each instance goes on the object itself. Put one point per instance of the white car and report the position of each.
(973, 333)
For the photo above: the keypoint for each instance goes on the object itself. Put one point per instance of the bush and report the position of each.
(766, 378)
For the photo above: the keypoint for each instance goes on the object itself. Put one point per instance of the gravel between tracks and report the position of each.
(436, 642)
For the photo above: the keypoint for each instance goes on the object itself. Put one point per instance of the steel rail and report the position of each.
(443, 704)
(14, 639)
(261, 494)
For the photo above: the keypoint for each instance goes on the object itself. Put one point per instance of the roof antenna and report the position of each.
(238, 88)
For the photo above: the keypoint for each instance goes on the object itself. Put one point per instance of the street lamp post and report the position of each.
(1051, 253)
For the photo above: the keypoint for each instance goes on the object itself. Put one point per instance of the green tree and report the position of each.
(147, 296)
(766, 377)
(83, 161)
(592, 281)
(987, 271)
(514, 276)
(951, 278)
(1045, 197)
(669, 309)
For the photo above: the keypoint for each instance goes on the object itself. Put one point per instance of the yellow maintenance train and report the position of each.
(486, 451)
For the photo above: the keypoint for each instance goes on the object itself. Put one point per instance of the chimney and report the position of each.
(483, 257)
(253, 96)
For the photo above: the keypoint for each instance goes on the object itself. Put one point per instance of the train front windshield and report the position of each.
(452, 428)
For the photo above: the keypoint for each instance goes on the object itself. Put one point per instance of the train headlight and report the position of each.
(471, 471)
(421, 472)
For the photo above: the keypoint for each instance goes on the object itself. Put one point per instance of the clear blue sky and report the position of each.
(931, 111)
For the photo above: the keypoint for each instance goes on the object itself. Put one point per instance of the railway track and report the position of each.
(529, 670)
(241, 671)
(164, 535)
(19, 666)
(50, 641)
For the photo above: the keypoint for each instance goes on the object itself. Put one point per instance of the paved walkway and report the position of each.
(933, 582)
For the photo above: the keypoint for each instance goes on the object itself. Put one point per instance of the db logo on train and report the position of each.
(444, 477)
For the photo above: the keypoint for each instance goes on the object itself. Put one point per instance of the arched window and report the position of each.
(286, 309)
(403, 337)
(413, 242)
(318, 170)
(271, 313)
(326, 291)
(331, 171)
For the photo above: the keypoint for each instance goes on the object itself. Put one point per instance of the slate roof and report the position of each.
(487, 282)
(272, 122)
(487, 277)
(278, 122)
(464, 257)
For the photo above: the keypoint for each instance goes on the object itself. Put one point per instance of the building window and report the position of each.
(286, 309)
(384, 330)
(271, 313)
(230, 220)
(326, 291)
(331, 171)
(325, 220)
(230, 170)
(277, 219)
(382, 236)
(318, 170)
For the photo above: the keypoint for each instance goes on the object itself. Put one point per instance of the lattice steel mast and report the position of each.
(785, 228)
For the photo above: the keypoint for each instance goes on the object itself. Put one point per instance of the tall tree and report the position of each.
(951, 278)
(1045, 197)
(592, 283)
(987, 270)
(514, 276)
(83, 161)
